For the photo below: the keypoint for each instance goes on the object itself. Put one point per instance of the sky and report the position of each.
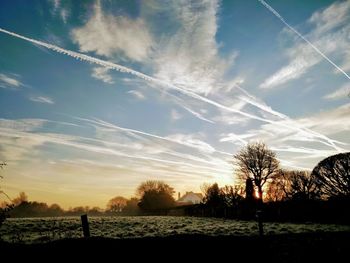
(98, 96)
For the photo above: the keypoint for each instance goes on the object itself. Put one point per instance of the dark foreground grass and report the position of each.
(303, 247)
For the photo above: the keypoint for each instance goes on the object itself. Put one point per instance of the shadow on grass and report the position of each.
(306, 247)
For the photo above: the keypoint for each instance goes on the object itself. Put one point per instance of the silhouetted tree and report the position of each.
(155, 195)
(302, 186)
(232, 195)
(95, 211)
(5, 208)
(116, 204)
(333, 176)
(22, 197)
(30, 209)
(278, 189)
(257, 162)
(293, 185)
(132, 207)
(78, 210)
(4, 203)
(213, 197)
(55, 210)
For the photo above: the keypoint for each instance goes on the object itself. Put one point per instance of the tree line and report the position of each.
(153, 197)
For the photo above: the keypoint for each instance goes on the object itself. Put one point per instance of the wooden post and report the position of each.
(260, 222)
(85, 225)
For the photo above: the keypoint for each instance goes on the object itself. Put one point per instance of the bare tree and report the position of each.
(232, 194)
(333, 175)
(300, 185)
(5, 208)
(257, 162)
(303, 186)
(277, 189)
(2, 165)
(117, 204)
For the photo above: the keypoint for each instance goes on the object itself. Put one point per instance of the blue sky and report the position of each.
(179, 87)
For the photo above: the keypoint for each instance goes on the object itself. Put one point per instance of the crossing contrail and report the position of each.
(113, 126)
(124, 69)
(321, 138)
(273, 11)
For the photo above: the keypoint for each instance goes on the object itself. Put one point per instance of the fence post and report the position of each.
(260, 222)
(85, 225)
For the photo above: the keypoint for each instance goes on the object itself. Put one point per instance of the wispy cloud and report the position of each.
(60, 9)
(341, 93)
(326, 34)
(120, 68)
(185, 140)
(192, 140)
(288, 123)
(137, 94)
(180, 102)
(42, 99)
(142, 151)
(108, 35)
(175, 115)
(232, 137)
(101, 73)
(190, 57)
(329, 122)
(22, 124)
(9, 81)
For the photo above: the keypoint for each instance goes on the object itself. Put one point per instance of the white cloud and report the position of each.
(60, 9)
(231, 119)
(163, 84)
(42, 99)
(9, 82)
(346, 63)
(233, 137)
(286, 123)
(101, 73)
(22, 124)
(56, 3)
(332, 17)
(193, 140)
(108, 35)
(304, 142)
(341, 93)
(189, 58)
(137, 94)
(234, 83)
(135, 150)
(329, 122)
(175, 115)
(330, 35)
(64, 13)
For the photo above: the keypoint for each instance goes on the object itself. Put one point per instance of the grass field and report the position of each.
(36, 230)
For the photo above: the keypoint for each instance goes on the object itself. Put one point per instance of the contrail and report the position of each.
(128, 130)
(253, 101)
(124, 69)
(98, 149)
(301, 36)
(110, 125)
